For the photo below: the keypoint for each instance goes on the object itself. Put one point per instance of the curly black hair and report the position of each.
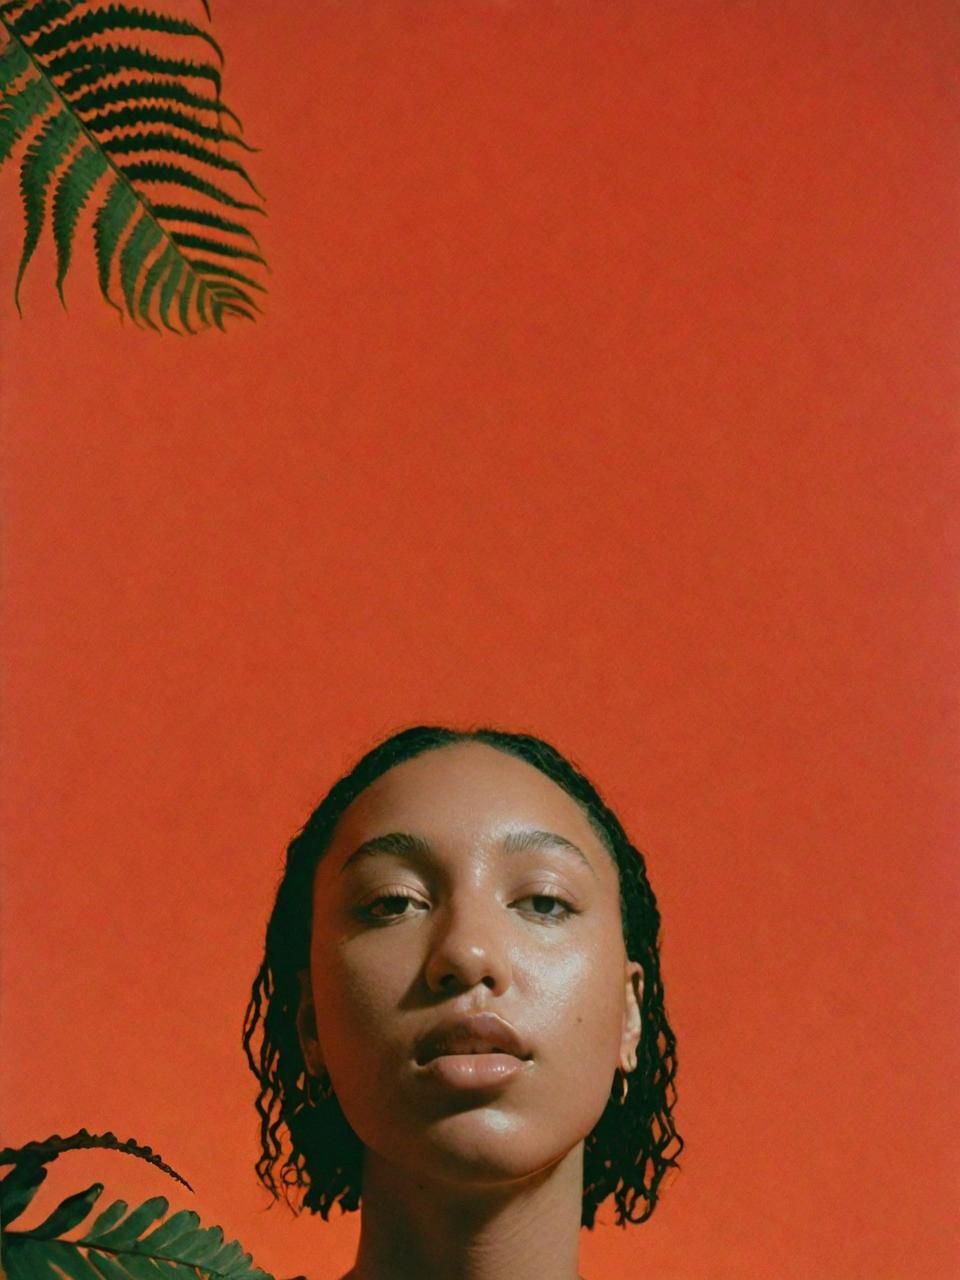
(313, 1149)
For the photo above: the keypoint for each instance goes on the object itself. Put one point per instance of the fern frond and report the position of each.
(47, 1149)
(68, 1214)
(124, 1244)
(203, 299)
(119, 207)
(19, 1187)
(105, 122)
(19, 112)
(150, 90)
(188, 241)
(160, 171)
(202, 218)
(223, 294)
(127, 117)
(169, 291)
(132, 1226)
(208, 268)
(117, 17)
(73, 190)
(42, 157)
(186, 298)
(88, 66)
(92, 109)
(109, 1218)
(141, 242)
(232, 309)
(13, 63)
(227, 305)
(238, 311)
(160, 265)
(142, 1243)
(34, 17)
(148, 140)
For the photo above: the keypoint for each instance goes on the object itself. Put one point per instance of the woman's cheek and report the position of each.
(369, 991)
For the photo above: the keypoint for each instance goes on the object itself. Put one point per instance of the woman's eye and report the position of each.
(394, 906)
(389, 906)
(543, 904)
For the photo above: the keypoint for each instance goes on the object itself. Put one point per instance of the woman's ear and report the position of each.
(307, 1026)
(632, 1020)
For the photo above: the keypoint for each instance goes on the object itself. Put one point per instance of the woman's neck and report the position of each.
(414, 1229)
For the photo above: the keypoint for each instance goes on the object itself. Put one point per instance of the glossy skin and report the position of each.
(464, 1183)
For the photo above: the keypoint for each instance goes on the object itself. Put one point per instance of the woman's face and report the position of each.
(461, 882)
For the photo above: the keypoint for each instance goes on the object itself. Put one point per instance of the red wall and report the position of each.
(608, 389)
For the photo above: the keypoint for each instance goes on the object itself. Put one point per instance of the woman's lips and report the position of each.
(474, 1070)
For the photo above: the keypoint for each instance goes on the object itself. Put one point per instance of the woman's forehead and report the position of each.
(464, 790)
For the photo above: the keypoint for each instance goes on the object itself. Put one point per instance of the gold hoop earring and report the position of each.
(625, 1089)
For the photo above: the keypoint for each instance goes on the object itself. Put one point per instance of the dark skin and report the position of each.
(506, 902)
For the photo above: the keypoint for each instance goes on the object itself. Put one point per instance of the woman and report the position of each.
(459, 1015)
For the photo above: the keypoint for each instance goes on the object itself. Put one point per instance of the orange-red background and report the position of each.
(608, 389)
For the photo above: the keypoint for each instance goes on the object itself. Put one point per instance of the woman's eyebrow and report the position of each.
(517, 841)
(402, 844)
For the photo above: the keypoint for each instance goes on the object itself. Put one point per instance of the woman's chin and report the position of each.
(487, 1146)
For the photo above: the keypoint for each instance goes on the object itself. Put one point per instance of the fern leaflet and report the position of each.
(104, 121)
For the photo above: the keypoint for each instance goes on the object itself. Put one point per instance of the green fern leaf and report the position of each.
(132, 1226)
(150, 90)
(204, 1246)
(234, 310)
(122, 1243)
(136, 114)
(42, 157)
(160, 171)
(83, 1140)
(110, 224)
(207, 268)
(73, 190)
(231, 1256)
(231, 293)
(161, 1238)
(85, 67)
(143, 239)
(109, 1268)
(18, 1264)
(128, 117)
(188, 241)
(38, 15)
(234, 293)
(169, 290)
(109, 1218)
(18, 113)
(117, 17)
(136, 1268)
(203, 299)
(19, 1187)
(203, 218)
(160, 265)
(13, 63)
(162, 140)
(68, 1214)
(74, 1265)
(186, 297)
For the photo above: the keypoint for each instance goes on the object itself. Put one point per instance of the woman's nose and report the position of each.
(468, 946)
